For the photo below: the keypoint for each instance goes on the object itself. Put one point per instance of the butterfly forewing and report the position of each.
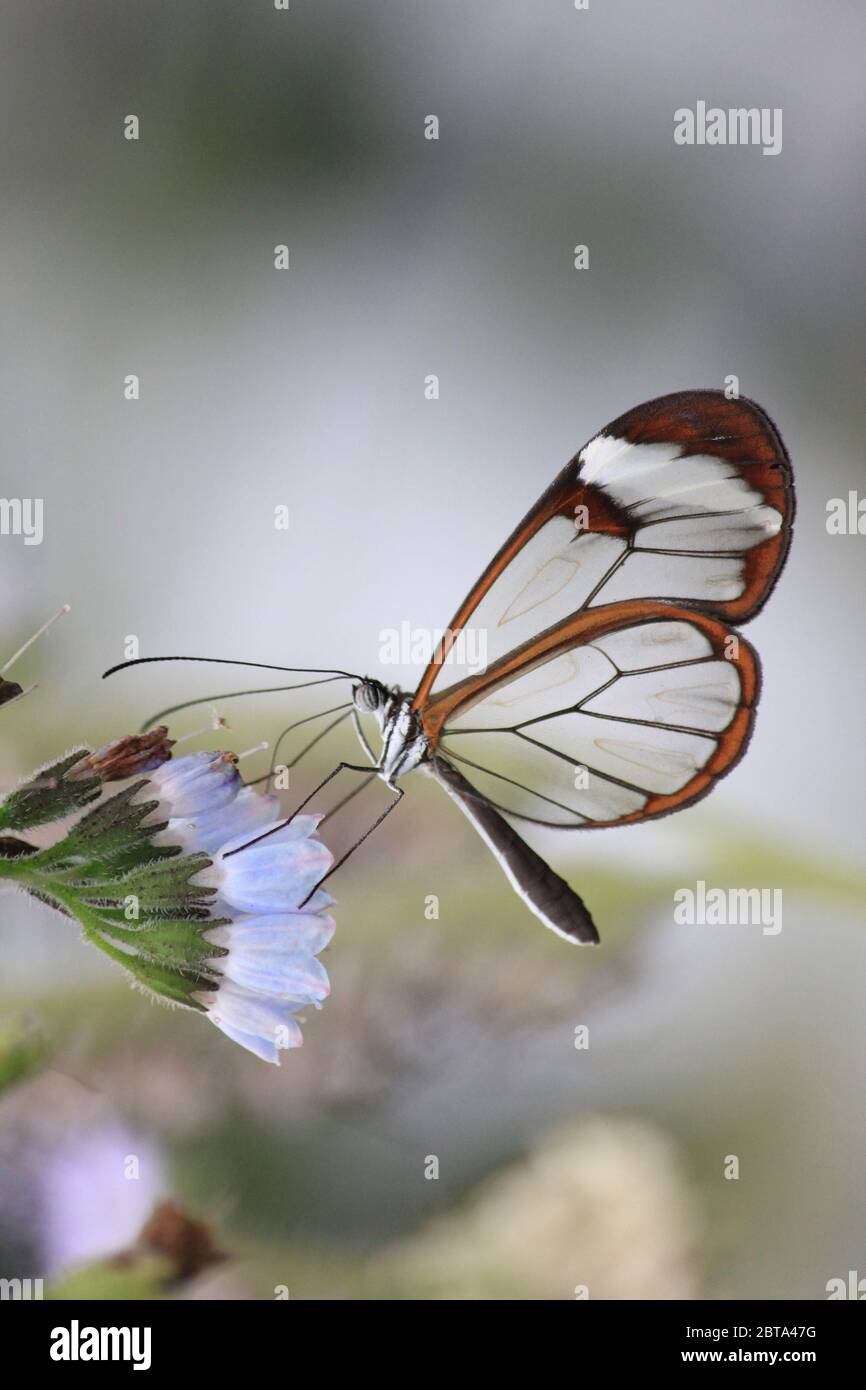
(687, 498)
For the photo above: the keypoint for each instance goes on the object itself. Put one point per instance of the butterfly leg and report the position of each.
(398, 797)
(341, 767)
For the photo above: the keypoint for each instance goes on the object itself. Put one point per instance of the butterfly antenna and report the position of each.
(232, 695)
(341, 712)
(223, 661)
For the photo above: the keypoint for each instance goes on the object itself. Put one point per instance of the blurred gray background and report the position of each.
(306, 388)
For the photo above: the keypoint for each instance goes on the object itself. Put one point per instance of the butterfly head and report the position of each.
(370, 696)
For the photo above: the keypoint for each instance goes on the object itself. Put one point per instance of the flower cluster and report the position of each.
(266, 946)
(186, 878)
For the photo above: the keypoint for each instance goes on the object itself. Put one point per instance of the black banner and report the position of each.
(215, 1338)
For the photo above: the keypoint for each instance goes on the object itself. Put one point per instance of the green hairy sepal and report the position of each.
(134, 900)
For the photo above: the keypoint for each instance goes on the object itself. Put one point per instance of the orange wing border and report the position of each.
(581, 630)
(701, 422)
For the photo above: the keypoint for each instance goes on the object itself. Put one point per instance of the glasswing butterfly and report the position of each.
(616, 687)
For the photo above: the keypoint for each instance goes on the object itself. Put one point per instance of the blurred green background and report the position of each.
(451, 1038)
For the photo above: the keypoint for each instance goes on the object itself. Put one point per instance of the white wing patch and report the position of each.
(694, 519)
(721, 532)
(650, 480)
(593, 734)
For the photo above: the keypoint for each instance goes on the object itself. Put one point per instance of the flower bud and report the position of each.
(127, 757)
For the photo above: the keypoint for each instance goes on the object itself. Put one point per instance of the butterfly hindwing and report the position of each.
(636, 718)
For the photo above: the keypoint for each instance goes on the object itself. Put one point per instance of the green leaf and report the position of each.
(120, 944)
(111, 837)
(171, 984)
(49, 795)
(164, 883)
(175, 942)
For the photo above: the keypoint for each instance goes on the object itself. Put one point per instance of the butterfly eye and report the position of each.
(368, 696)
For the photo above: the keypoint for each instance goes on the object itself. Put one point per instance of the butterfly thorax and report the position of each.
(404, 743)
